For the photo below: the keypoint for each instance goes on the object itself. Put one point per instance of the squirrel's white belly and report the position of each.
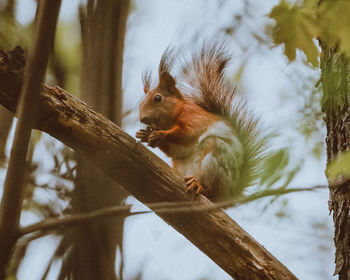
(187, 159)
(188, 166)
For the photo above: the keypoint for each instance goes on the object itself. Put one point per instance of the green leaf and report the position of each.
(340, 166)
(295, 28)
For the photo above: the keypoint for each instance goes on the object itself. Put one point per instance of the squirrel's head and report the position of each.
(161, 105)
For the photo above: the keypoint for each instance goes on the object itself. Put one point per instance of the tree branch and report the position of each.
(151, 180)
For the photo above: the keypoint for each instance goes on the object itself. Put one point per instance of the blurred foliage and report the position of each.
(64, 67)
(275, 163)
(67, 49)
(283, 211)
(11, 32)
(298, 24)
(45, 198)
(310, 123)
(339, 167)
(277, 170)
(49, 190)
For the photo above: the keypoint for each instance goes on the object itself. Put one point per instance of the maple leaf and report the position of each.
(295, 28)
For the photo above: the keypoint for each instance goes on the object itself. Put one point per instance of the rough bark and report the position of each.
(151, 180)
(335, 104)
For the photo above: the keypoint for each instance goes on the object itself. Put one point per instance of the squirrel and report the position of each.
(214, 142)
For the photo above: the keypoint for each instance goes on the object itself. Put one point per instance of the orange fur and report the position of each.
(176, 120)
(191, 122)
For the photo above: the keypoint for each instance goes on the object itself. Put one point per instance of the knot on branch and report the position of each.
(11, 75)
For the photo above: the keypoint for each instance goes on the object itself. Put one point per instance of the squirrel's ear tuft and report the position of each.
(146, 89)
(147, 80)
(167, 82)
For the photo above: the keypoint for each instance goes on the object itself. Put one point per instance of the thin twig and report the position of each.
(49, 225)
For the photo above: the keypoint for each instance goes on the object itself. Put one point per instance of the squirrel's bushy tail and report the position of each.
(204, 78)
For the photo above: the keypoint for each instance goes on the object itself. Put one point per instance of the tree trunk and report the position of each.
(11, 202)
(94, 245)
(335, 104)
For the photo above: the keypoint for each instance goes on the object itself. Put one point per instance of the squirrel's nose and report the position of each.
(145, 120)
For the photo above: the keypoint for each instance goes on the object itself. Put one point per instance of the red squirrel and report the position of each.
(212, 139)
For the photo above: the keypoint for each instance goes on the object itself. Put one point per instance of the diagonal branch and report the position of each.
(150, 180)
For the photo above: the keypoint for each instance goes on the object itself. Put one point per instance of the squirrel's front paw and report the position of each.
(143, 134)
(155, 138)
(192, 185)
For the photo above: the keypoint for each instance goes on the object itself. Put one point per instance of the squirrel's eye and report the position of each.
(157, 98)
